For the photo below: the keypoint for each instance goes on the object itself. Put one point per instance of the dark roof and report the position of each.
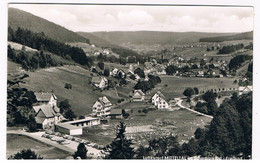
(44, 96)
(39, 120)
(47, 110)
(97, 80)
(116, 111)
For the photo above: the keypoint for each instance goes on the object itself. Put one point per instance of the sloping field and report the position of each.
(15, 143)
(176, 85)
(81, 96)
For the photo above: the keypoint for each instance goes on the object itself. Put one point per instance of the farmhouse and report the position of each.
(102, 107)
(106, 51)
(99, 82)
(159, 101)
(97, 53)
(116, 114)
(47, 115)
(46, 98)
(137, 96)
(114, 72)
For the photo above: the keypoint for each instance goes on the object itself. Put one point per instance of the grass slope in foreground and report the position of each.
(81, 96)
(15, 143)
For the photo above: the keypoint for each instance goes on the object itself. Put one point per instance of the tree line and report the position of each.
(236, 62)
(41, 42)
(31, 60)
(148, 85)
(230, 48)
(19, 104)
(229, 135)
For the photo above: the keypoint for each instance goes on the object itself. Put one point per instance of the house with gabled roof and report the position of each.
(47, 116)
(99, 82)
(137, 96)
(101, 107)
(46, 98)
(159, 101)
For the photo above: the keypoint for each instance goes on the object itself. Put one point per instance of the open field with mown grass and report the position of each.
(144, 127)
(82, 96)
(176, 85)
(15, 143)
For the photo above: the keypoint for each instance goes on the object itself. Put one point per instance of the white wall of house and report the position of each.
(76, 131)
(155, 96)
(48, 123)
(53, 101)
(162, 104)
(100, 110)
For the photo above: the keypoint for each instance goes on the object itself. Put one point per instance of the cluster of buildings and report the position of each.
(46, 110)
(48, 116)
(104, 52)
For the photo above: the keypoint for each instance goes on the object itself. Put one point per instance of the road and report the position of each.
(179, 101)
(71, 148)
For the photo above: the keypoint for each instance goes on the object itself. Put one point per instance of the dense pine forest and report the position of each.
(41, 42)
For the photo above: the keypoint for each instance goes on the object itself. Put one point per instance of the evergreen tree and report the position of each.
(31, 124)
(26, 154)
(81, 151)
(120, 148)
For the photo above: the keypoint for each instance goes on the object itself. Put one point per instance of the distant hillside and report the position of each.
(97, 41)
(18, 18)
(241, 36)
(154, 37)
(101, 42)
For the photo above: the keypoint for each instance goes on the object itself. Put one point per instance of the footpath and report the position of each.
(179, 101)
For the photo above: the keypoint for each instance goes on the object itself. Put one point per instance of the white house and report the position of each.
(46, 98)
(101, 107)
(118, 72)
(114, 72)
(99, 82)
(138, 96)
(97, 53)
(162, 103)
(106, 51)
(159, 101)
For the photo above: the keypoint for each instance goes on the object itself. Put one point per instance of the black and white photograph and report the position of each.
(129, 81)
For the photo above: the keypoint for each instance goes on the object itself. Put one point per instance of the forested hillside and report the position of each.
(41, 42)
(100, 42)
(241, 36)
(154, 37)
(18, 18)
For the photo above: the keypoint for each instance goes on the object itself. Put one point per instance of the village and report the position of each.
(55, 127)
(101, 90)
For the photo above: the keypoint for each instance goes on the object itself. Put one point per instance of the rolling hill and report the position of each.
(240, 36)
(100, 42)
(18, 18)
(154, 37)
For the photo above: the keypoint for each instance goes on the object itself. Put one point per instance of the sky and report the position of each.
(90, 18)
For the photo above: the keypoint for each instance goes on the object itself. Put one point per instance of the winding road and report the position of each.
(179, 101)
(71, 148)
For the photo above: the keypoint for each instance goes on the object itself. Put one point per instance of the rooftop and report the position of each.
(41, 96)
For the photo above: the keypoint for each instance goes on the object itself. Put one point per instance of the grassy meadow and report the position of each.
(176, 85)
(82, 95)
(15, 143)
(144, 126)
